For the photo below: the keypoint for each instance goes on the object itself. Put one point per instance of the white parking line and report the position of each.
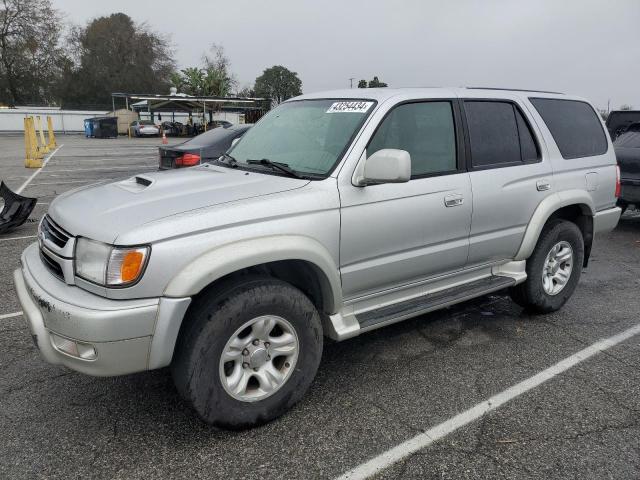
(74, 182)
(17, 238)
(405, 449)
(10, 315)
(35, 174)
(123, 167)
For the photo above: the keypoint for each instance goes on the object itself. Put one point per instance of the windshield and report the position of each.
(309, 136)
(629, 139)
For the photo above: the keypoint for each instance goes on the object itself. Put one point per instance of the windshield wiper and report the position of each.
(283, 167)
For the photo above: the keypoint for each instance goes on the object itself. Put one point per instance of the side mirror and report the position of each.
(387, 166)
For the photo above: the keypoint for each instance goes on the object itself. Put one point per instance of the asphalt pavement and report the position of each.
(371, 393)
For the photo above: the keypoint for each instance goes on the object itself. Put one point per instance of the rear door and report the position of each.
(510, 175)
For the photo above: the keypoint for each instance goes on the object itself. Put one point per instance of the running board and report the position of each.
(434, 301)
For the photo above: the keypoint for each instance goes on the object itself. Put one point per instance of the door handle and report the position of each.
(543, 185)
(453, 200)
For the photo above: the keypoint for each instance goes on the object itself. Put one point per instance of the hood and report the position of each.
(104, 211)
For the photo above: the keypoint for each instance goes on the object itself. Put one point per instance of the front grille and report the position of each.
(54, 233)
(53, 266)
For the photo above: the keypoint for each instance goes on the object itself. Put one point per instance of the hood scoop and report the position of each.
(135, 184)
(143, 181)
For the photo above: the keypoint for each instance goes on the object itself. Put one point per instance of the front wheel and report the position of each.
(554, 268)
(248, 352)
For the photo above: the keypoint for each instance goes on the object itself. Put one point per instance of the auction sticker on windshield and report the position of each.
(350, 107)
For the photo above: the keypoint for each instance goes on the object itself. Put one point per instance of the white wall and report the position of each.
(12, 120)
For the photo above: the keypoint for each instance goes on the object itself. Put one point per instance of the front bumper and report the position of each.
(127, 335)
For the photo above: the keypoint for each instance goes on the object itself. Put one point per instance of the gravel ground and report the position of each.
(371, 392)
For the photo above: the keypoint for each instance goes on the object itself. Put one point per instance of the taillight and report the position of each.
(188, 160)
(618, 188)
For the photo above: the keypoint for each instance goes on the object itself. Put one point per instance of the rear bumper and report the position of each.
(124, 336)
(630, 192)
(149, 132)
(606, 220)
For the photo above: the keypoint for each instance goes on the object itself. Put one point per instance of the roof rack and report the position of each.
(513, 90)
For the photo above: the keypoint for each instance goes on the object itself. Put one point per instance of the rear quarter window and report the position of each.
(574, 125)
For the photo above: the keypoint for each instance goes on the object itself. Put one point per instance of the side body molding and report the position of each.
(545, 209)
(228, 258)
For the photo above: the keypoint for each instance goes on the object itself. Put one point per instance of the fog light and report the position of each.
(85, 351)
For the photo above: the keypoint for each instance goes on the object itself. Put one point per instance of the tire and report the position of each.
(214, 320)
(532, 294)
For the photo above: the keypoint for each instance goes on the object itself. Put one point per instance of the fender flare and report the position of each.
(545, 209)
(232, 257)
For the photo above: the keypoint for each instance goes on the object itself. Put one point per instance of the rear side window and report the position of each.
(575, 126)
(499, 135)
(424, 129)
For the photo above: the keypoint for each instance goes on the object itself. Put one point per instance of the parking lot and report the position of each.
(371, 393)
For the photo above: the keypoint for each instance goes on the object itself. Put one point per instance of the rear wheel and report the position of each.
(248, 353)
(554, 268)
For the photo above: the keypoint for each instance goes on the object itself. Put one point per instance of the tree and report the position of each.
(214, 79)
(625, 107)
(30, 54)
(219, 79)
(246, 92)
(114, 54)
(375, 83)
(192, 81)
(278, 83)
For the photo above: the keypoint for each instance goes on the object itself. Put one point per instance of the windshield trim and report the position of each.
(341, 155)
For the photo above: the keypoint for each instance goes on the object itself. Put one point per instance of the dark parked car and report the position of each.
(172, 129)
(206, 146)
(619, 120)
(627, 146)
(220, 123)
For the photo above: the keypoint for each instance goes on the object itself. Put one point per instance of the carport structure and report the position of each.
(252, 108)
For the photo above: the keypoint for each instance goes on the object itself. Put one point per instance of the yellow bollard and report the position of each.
(41, 143)
(34, 138)
(32, 160)
(52, 138)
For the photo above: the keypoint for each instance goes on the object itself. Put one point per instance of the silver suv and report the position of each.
(338, 213)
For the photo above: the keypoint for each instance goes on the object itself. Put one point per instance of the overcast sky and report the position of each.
(585, 47)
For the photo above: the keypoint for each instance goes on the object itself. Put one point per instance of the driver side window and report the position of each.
(424, 129)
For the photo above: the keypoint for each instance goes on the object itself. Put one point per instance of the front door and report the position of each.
(397, 234)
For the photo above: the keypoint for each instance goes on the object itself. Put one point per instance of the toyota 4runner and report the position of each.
(336, 214)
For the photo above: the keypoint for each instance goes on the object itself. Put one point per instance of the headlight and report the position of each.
(108, 265)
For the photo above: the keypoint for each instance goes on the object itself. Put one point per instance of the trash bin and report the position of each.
(105, 127)
(88, 127)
